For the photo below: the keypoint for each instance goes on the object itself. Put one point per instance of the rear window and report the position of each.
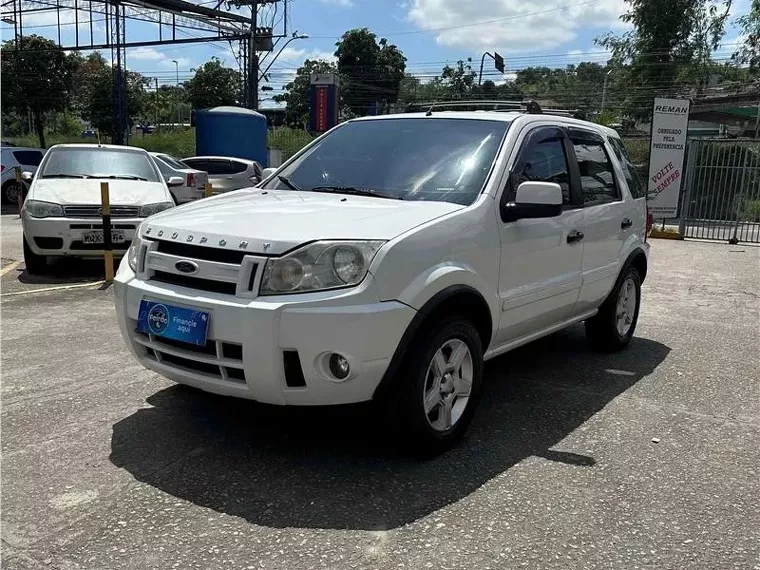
(212, 166)
(92, 162)
(171, 161)
(629, 170)
(28, 157)
(237, 167)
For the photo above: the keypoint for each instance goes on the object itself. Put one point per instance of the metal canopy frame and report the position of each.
(177, 22)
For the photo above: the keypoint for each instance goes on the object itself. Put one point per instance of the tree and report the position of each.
(296, 96)
(667, 37)
(458, 79)
(214, 85)
(749, 52)
(37, 76)
(372, 71)
(95, 98)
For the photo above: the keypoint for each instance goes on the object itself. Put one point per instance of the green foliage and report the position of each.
(214, 85)
(749, 52)
(37, 76)
(372, 71)
(288, 140)
(296, 96)
(751, 211)
(668, 37)
(458, 80)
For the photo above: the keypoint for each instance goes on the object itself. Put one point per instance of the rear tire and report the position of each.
(35, 264)
(11, 192)
(612, 328)
(440, 388)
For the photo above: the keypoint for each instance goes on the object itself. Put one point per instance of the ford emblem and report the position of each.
(185, 266)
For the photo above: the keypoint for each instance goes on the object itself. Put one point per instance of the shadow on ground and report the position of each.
(335, 468)
(66, 271)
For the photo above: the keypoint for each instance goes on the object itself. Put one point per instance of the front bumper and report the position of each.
(65, 236)
(351, 322)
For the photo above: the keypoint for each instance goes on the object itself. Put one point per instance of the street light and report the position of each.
(176, 91)
(604, 91)
(295, 36)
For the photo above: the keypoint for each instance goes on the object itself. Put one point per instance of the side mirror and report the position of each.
(534, 200)
(267, 172)
(27, 176)
(175, 181)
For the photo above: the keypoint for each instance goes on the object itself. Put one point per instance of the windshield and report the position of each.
(436, 159)
(171, 161)
(92, 162)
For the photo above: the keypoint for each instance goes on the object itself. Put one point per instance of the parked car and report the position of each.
(388, 259)
(62, 212)
(194, 186)
(225, 173)
(26, 159)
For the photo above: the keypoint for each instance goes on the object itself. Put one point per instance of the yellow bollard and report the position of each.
(107, 239)
(209, 189)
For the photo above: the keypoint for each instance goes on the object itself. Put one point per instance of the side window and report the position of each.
(597, 175)
(165, 170)
(218, 167)
(28, 157)
(629, 170)
(237, 167)
(542, 159)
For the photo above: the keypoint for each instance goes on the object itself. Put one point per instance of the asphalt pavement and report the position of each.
(643, 459)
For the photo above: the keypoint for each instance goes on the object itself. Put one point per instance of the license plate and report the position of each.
(177, 323)
(96, 237)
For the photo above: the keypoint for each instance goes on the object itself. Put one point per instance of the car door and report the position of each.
(540, 272)
(606, 217)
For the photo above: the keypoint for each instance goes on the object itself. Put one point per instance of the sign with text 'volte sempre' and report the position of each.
(670, 121)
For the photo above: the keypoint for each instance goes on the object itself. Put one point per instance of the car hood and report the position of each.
(275, 221)
(82, 191)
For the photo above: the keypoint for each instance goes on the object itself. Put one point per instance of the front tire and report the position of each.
(35, 264)
(11, 192)
(612, 328)
(441, 386)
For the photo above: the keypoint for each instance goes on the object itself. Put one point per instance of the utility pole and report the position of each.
(253, 61)
(155, 102)
(176, 90)
(604, 91)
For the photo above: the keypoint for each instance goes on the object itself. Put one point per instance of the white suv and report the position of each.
(388, 259)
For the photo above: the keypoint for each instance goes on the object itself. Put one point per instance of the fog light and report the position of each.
(339, 366)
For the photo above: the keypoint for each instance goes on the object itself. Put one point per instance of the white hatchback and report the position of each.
(390, 258)
(62, 212)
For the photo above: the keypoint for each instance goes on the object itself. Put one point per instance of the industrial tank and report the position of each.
(231, 131)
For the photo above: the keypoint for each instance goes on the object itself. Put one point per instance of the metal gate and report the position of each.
(721, 198)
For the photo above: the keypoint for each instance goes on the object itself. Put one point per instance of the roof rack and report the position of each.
(530, 107)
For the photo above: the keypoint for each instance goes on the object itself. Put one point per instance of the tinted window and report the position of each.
(237, 166)
(196, 163)
(434, 158)
(173, 162)
(597, 178)
(28, 157)
(629, 170)
(99, 163)
(217, 167)
(542, 159)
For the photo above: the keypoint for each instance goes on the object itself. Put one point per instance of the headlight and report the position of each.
(134, 252)
(38, 209)
(150, 209)
(319, 266)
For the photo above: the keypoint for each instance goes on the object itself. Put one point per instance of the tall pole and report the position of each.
(253, 61)
(604, 91)
(155, 102)
(176, 90)
(296, 36)
(482, 60)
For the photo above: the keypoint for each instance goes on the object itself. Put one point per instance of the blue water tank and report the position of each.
(231, 131)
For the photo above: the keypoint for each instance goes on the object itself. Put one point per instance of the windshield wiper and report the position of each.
(117, 177)
(62, 175)
(292, 185)
(354, 191)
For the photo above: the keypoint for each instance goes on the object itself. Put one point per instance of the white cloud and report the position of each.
(512, 25)
(152, 54)
(343, 3)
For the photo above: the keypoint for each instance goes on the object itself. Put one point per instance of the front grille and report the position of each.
(201, 252)
(195, 282)
(100, 226)
(203, 359)
(80, 245)
(95, 211)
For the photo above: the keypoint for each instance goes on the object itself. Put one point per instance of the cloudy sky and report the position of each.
(431, 33)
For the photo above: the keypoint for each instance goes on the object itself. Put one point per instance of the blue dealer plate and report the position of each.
(177, 323)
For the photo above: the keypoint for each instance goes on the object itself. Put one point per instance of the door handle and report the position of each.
(574, 236)
(626, 223)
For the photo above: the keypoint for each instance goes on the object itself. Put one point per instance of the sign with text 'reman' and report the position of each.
(670, 121)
